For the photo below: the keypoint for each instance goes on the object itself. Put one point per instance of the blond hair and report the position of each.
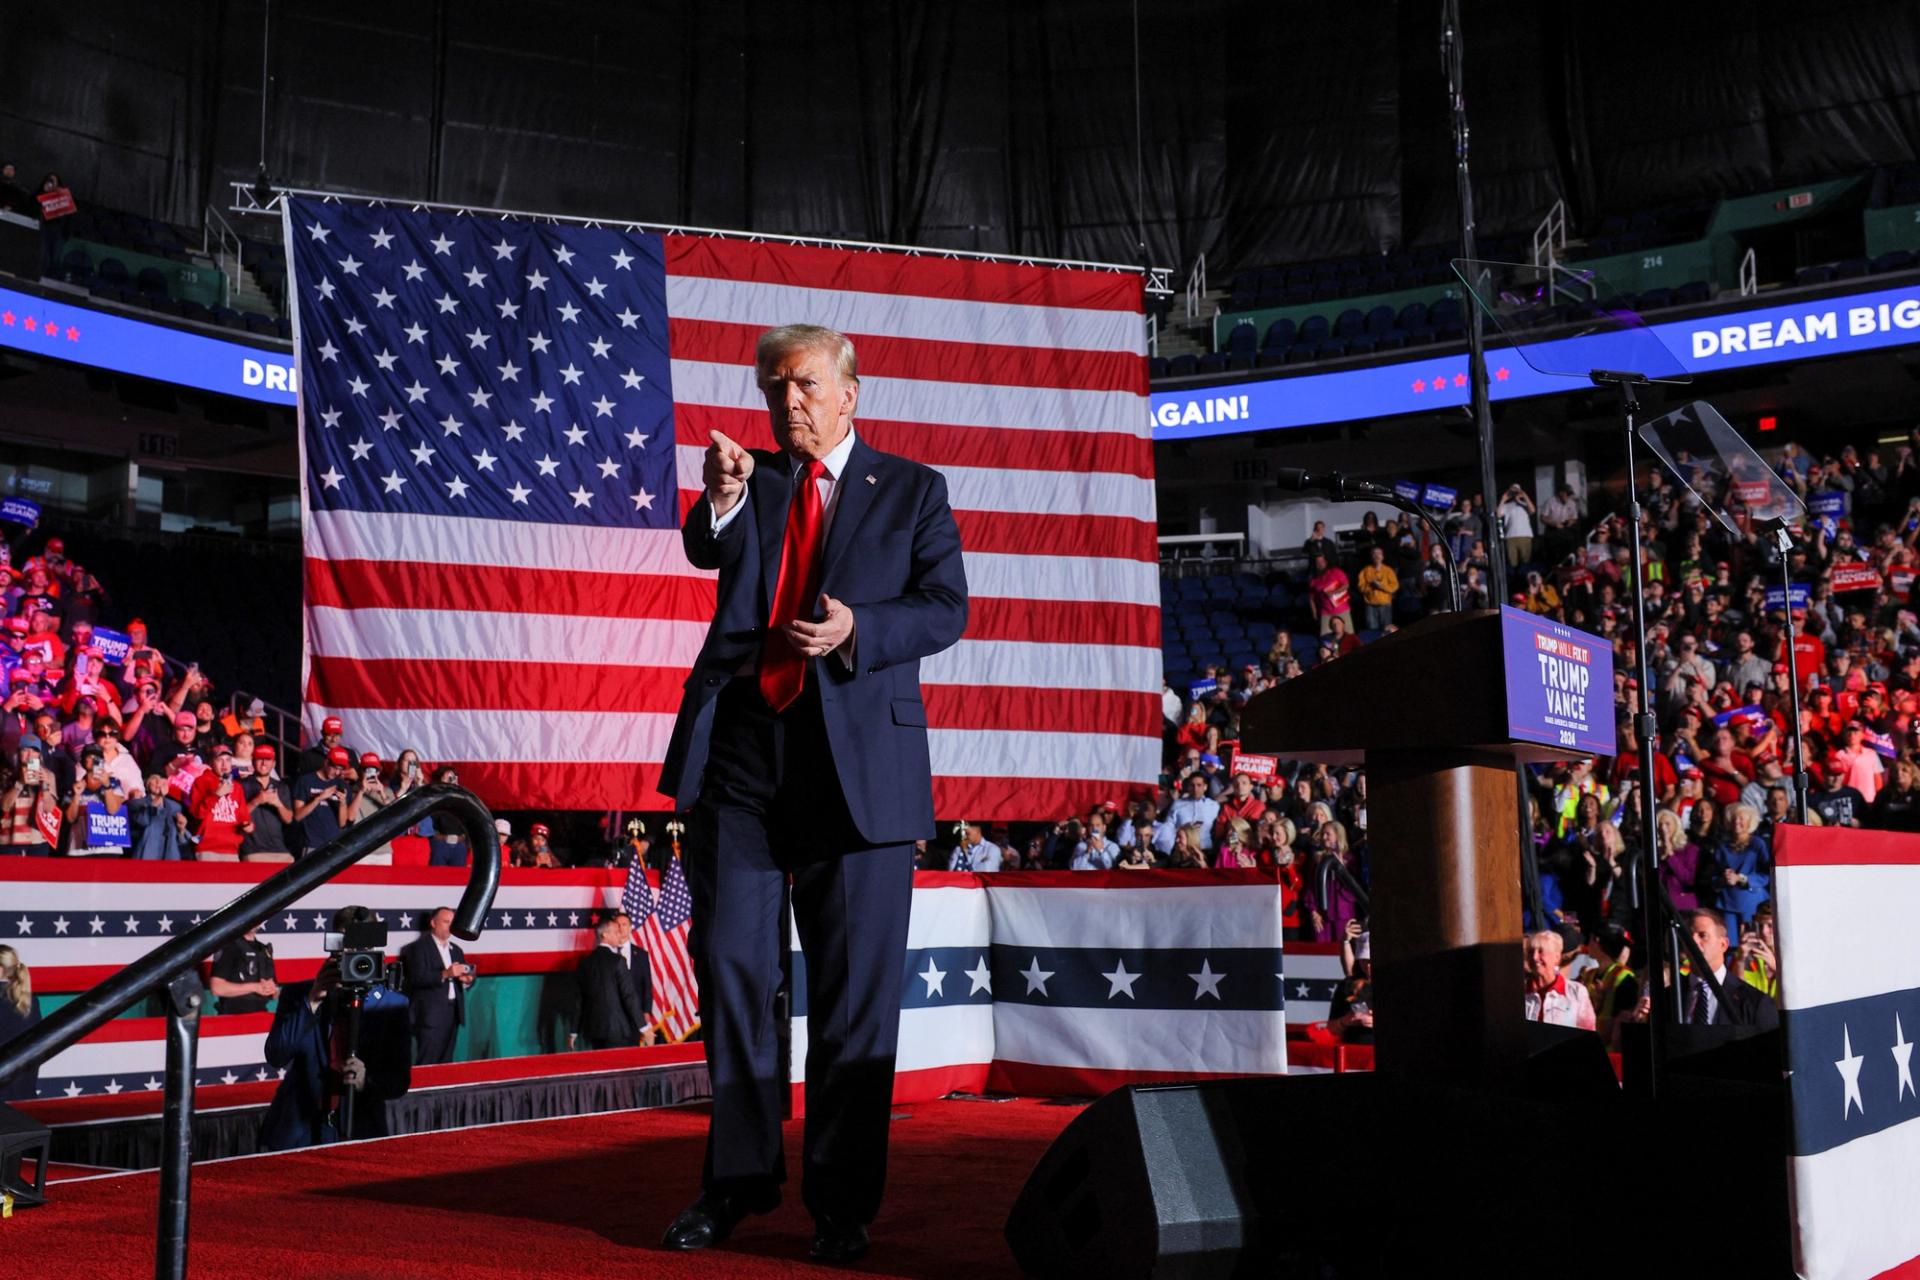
(15, 980)
(807, 337)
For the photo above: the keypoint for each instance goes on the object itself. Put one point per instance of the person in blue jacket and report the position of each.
(1742, 874)
(309, 1040)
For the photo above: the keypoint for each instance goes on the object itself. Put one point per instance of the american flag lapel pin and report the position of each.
(871, 480)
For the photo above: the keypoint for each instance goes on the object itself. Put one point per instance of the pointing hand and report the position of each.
(725, 472)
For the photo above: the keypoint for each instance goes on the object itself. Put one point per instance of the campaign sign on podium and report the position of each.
(1559, 683)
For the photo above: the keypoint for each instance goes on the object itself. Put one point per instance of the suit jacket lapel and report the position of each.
(851, 501)
(776, 494)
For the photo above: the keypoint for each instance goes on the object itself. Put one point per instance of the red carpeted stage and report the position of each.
(586, 1196)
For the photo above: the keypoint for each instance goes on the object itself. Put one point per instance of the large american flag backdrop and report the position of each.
(503, 421)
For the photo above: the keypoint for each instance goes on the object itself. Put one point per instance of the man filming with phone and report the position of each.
(320, 800)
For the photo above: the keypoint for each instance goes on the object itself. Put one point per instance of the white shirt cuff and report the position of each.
(720, 522)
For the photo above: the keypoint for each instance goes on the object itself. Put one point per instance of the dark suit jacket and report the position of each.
(426, 989)
(1744, 1006)
(893, 554)
(301, 1042)
(610, 1004)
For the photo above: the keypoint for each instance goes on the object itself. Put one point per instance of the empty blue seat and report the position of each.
(1693, 294)
(1213, 362)
(113, 272)
(1156, 367)
(152, 281)
(1379, 320)
(1351, 321)
(1814, 275)
(1851, 268)
(1279, 334)
(1183, 366)
(1243, 339)
(1897, 260)
(1313, 330)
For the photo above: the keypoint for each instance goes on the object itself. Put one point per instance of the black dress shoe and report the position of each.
(712, 1218)
(838, 1242)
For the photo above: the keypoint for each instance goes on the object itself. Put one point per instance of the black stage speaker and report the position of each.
(1353, 1175)
(23, 1138)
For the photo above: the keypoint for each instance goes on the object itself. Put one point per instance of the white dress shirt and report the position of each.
(446, 960)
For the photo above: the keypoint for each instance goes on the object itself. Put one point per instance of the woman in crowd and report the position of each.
(19, 1010)
(1237, 850)
(1329, 918)
(1741, 871)
(1187, 853)
(1679, 862)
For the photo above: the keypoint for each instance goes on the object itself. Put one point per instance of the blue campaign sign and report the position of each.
(1827, 502)
(1407, 490)
(1732, 340)
(1200, 689)
(107, 830)
(20, 511)
(1777, 597)
(1439, 495)
(1559, 684)
(64, 331)
(113, 645)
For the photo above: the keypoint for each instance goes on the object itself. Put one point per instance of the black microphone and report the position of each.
(1333, 482)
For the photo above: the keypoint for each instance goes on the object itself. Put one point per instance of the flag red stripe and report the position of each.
(1018, 533)
(1025, 799)
(959, 706)
(1011, 448)
(927, 277)
(925, 359)
(398, 684)
(1058, 622)
(489, 588)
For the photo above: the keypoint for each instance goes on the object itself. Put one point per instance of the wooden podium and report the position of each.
(1426, 708)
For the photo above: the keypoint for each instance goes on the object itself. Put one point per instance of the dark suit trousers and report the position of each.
(771, 809)
(435, 1025)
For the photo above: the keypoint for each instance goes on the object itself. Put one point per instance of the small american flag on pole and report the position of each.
(662, 922)
(502, 421)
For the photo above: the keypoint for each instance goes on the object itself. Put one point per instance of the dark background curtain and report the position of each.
(1267, 132)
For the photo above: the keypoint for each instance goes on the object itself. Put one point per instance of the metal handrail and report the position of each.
(1550, 236)
(172, 966)
(218, 239)
(1196, 287)
(239, 700)
(1324, 873)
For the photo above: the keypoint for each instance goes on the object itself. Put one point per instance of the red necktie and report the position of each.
(783, 669)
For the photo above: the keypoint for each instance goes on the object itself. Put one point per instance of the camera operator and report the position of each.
(27, 808)
(313, 1040)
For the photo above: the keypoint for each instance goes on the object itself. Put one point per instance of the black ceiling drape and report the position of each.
(1267, 133)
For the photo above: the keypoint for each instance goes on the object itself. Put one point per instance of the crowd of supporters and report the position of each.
(110, 748)
(1722, 674)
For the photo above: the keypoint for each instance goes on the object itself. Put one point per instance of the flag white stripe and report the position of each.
(995, 575)
(935, 404)
(1041, 493)
(379, 535)
(1875, 1179)
(940, 1036)
(1021, 664)
(569, 737)
(1124, 1039)
(1848, 901)
(1006, 753)
(360, 535)
(121, 1057)
(424, 635)
(472, 636)
(1126, 919)
(900, 315)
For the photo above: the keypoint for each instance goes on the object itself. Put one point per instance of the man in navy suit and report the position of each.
(801, 751)
(437, 976)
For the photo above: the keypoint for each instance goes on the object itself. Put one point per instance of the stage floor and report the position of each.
(585, 1196)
